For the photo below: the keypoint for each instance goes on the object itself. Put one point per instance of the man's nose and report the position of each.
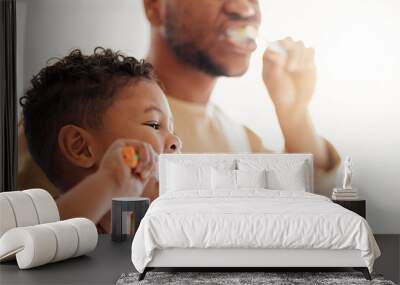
(173, 144)
(240, 9)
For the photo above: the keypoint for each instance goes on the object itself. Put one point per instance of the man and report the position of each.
(190, 49)
(192, 46)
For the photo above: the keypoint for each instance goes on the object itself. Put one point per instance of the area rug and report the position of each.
(269, 278)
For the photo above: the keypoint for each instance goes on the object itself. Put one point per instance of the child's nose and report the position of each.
(174, 144)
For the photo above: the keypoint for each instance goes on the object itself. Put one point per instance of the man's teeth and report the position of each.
(242, 35)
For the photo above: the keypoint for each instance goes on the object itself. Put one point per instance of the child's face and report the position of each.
(140, 112)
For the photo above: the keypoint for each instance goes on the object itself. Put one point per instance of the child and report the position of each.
(80, 113)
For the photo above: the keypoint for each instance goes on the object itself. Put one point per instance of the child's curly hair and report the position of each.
(76, 89)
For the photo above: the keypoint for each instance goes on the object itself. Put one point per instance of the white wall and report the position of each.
(52, 28)
(357, 98)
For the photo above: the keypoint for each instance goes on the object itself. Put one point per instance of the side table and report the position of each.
(123, 209)
(357, 206)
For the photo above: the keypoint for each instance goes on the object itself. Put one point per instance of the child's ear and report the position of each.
(75, 145)
(154, 11)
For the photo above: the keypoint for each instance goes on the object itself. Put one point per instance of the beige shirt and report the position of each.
(207, 129)
(202, 129)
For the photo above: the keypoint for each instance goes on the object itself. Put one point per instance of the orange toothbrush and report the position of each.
(130, 156)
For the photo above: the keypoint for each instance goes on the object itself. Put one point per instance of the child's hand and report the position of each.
(129, 182)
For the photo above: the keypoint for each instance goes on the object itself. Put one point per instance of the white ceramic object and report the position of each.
(66, 237)
(26, 208)
(23, 208)
(32, 246)
(348, 173)
(87, 233)
(41, 244)
(45, 205)
(7, 218)
(31, 232)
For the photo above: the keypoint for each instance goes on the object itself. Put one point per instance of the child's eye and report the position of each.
(154, 125)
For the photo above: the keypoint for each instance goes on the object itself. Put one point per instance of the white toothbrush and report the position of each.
(244, 34)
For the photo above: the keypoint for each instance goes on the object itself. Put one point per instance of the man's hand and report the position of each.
(290, 78)
(128, 182)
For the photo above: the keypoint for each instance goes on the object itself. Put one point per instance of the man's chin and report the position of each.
(234, 67)
(235, 72)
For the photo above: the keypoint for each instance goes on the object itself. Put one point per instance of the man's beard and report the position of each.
(190, 53)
